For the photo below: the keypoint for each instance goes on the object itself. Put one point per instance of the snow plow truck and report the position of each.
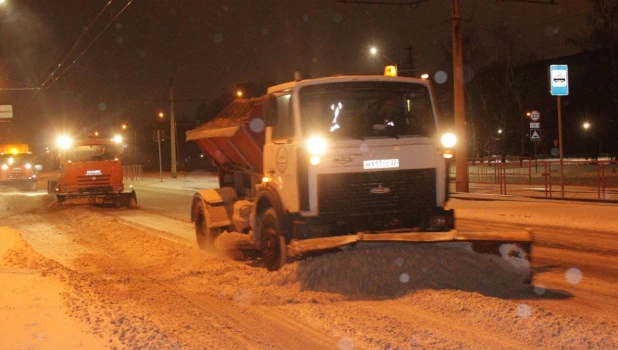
(318, 164)
(91, 168)
(17, 167)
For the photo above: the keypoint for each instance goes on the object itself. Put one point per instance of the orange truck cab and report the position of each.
(17, 167)
(92, 169)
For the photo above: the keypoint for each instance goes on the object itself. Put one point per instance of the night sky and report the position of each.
(209, 46)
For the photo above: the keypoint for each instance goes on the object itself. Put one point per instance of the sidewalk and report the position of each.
(188, 181)
(536, 191)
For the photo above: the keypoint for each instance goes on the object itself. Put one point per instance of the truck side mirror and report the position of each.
(270, 110)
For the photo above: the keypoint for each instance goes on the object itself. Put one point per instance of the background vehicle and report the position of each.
(17, 167)
(91, 168)
(317, 164)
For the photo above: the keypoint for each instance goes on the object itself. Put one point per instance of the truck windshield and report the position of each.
(92, 152)
(17, 159)
(367, 109)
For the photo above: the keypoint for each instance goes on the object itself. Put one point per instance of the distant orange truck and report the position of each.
(92, 169)
(17, 167)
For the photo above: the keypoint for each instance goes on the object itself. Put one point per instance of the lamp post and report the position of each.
(586, 126)
(374, 51)
(172, 130)
(124, 128)
(161, 115)
(461, 149)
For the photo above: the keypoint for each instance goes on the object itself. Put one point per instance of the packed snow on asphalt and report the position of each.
(82, 276)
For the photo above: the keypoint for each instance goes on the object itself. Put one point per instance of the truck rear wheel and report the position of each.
(52, 186)
(205, 234)
(272, 243)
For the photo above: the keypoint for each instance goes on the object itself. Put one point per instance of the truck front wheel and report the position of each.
(272, 243)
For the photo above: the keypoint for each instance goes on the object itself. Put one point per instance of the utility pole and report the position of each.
(461, 149)
(411, 66)
(172, 130)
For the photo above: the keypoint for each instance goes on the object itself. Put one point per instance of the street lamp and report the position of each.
(160, 115)
(586, 126)
(374, 51)
(124, 127)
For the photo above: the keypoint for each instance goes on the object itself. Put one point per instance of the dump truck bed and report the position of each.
(234, 139)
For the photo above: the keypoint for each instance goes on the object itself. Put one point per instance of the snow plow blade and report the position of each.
(118, 199)
(482, 242)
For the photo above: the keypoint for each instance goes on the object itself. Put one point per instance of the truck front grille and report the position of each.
(17, 173)
(94, 183)
(379, 200)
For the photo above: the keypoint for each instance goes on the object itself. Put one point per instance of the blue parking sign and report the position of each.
(559, 79)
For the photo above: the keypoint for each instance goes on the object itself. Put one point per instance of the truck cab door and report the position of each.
(280, 148)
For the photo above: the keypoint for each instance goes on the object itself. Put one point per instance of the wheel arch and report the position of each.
(211, 197)
(268, 197)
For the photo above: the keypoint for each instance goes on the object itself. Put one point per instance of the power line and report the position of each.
(66, 57)
(385, 2)
(83, 52)
(540, 2)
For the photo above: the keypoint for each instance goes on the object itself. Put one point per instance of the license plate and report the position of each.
(381, 164)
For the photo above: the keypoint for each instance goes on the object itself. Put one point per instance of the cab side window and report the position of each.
(283, 128)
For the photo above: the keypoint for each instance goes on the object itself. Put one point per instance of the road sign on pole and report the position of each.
(535, 134)
(559, 79)
(6, 112)
(535, 116)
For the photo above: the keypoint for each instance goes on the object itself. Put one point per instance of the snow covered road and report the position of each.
(134, 278)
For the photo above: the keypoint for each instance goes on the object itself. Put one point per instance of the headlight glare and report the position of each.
(64, 142)
(314, 160)
(448, 140)
(316, 146)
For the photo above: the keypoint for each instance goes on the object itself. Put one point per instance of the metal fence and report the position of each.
(585, 179)
(133, 172)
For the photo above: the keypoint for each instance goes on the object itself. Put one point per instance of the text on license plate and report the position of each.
(381, 164)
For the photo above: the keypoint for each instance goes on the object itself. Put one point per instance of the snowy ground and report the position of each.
(115, 281)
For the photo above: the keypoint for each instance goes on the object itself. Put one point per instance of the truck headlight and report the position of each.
(64, 142)
(4, 166)
(448, 140)
(316, 146)
(28, 166)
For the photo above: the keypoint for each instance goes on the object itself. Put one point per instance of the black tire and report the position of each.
(204, 234)
(51, 186)
(132, 201)
(272, 243)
